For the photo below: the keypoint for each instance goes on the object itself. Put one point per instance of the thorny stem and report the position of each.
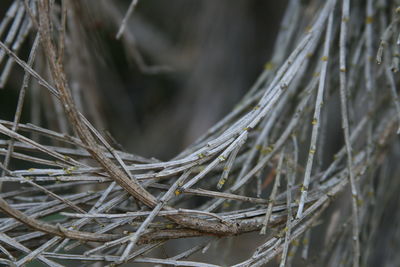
(316, 117)
(346, 130)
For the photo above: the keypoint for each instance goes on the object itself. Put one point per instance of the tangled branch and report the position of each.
(265, 167)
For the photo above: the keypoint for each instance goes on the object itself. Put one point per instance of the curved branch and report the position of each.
(118, 175)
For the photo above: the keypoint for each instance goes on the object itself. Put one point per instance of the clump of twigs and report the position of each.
(265, 167)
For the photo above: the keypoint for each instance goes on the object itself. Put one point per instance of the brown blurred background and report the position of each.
(212, 52)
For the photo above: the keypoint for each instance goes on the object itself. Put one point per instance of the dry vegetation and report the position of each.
(270, 166)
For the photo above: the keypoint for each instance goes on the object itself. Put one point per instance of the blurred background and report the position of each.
(198, 58)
